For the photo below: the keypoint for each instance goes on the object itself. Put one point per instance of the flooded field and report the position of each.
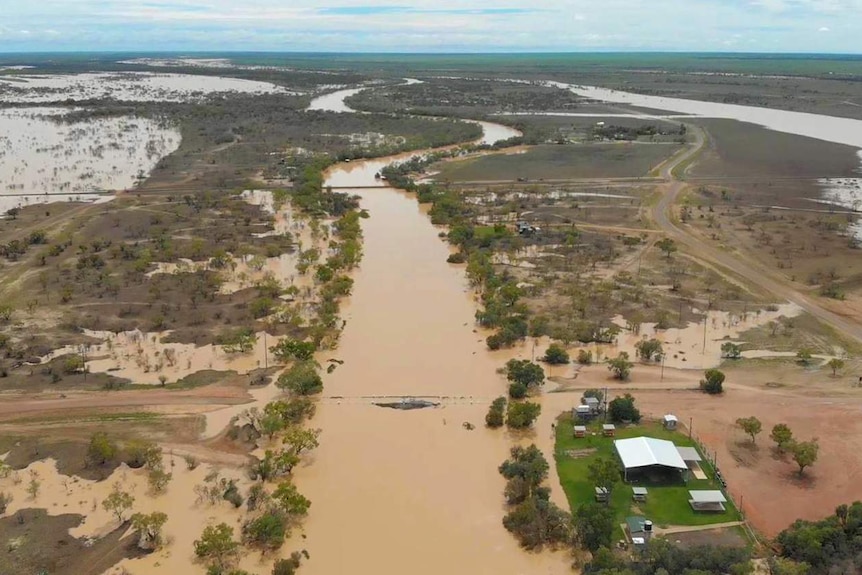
(43, 160)
(126, 86)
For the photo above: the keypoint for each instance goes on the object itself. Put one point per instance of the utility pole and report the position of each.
(662, 366)
(689, 426)
(265, 354)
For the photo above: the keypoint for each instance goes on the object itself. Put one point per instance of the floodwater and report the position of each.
(334, 101)
(45, 161)
(410, 492)
(127, 86)
(829, 128)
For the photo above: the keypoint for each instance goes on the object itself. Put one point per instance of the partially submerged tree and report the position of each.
(648, 349)
(730, 350)
(301, 378)
(594, 526)
(524, 372)
(149, 529)
(496, 413)
(291, 349)
(556, 354)
(522, 414)
(217, 545)
(101, 449)
(118, 502)
(620, 366)
(751, 426)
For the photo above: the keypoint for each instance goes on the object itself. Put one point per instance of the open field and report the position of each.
(560, 162)
(217, 306)
(667, 503)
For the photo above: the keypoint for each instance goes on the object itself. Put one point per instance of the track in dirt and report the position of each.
(736, 263)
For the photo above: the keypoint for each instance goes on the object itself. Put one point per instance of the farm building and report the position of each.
(670, 422)
(692, 460)
(593, 403)
(707, 500)
(580, 431)
(647, 454)
(638, 529)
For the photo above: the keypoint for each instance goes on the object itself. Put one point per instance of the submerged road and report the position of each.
(738, 263)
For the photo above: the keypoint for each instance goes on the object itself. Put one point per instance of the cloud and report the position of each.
(428, 25)
(823, 29)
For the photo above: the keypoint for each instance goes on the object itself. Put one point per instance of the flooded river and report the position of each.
(410, 491)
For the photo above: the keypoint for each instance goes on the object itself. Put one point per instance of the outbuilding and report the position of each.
(639, 454)
(707, 500)
(670, 422)
(580, 431)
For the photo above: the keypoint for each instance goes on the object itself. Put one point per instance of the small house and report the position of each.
(592, 403)
(638, 529)
(581, 412)
(580, 431)
(609, 429)
(670, 422)
(639, 494)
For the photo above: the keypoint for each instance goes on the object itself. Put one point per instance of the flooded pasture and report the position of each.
(127, 86)
(43, 160)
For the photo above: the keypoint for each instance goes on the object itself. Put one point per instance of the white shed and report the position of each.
(670, 421)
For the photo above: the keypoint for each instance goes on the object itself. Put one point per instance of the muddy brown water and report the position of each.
(409, 491)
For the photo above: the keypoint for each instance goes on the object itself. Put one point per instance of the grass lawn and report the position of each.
(667, 503)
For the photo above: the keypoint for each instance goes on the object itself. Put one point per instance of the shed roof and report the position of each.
(706, 496)
(639, 490)
(646, 451)
(591, 400)
(635, 524)
(670, 417)
(580, 428)
(608, 426)
(688, 453)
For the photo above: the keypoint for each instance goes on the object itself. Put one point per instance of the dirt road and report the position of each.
(737, 263)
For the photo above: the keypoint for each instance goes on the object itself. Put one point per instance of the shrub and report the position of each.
(496, 413)
(521, 415)
(556, 355)
(585, 357)
(517, 390)
(622, 409)
(712, 382)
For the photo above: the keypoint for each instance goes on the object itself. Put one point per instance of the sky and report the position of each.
(823, 26)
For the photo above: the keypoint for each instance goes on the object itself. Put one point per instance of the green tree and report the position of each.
(524, 372)
(835, 364)
(275, 463)
(648, 349)
(140, 453)
(238, 341)
(266, 531)
(667, 245)
(556, 354)
(730, 350)
(782, 436)
(292, 411)
(158, 479)
(522, 414)
(101, 449)
(496, 413)
(217, 545)
(712, 382)
(301, 378)
(289, 500)
(803, 356)
(594, 526)
(518, 390)
(149, 529)
(271, 423)
(783, 566)
(585, 357)
(290, 349)
(287, 566)
(751, 426)
(804, 453)
(622, 409)
(118, 502)
(604, 472)
(298, 440)
(620, 366)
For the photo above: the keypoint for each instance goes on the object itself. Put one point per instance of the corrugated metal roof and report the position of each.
(645, 451)
(688, 453)
(706, 496)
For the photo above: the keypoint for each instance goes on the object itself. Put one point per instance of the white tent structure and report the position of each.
(707, 500)
(641, 452)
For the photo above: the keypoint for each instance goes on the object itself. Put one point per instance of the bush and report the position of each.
(521, 415)
(648, 349)
(556, 355)
(302, 379)
(536, 522)
(496, 413)
(517, 390)
(585, 357)
(267, 531)
(712, 382)
(457, 258)
(620, 366)
(622, 409)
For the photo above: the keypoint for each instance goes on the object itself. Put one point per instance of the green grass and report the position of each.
(667, 504)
